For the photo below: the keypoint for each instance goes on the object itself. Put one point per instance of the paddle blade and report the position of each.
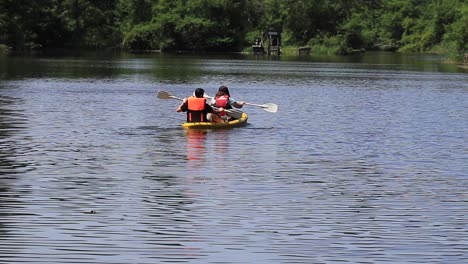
(166, 95)
(270, 107)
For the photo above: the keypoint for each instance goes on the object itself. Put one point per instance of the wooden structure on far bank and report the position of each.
(274, 44)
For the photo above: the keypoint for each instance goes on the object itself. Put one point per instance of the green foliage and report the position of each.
(252, 36)
(326, 44)
(455, 40)
(143, 37)
(340, 26)
(427, 28)
(3, 49)
(389, 29)
(91, 23)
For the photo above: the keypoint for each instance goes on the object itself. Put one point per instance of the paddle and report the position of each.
(166, 95)
(269, 107)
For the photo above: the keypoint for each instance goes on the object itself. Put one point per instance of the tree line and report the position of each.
(339, 26)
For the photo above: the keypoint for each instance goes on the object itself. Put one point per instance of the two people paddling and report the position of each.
(198, 110)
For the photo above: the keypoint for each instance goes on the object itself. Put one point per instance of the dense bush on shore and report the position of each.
(4, 49)
(337, 26)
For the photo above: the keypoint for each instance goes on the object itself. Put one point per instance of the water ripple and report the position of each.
(363, 163)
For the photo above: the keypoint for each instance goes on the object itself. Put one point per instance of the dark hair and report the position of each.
(225, 90)
(219, 94)
(199, 92)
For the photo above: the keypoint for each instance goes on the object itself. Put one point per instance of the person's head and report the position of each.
(219, 94)
(224, 89)
(199, 92)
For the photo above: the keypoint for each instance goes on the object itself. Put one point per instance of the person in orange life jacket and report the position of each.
(198, 110)
(223, 99)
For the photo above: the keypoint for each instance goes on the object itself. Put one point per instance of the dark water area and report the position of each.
(365, 161)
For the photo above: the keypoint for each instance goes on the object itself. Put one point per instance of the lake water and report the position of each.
(366, 161)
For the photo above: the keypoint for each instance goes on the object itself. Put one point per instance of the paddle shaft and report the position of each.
(166, 95)
(269, 107)
(262, 106)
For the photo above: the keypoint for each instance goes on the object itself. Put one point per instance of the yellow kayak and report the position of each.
(211, 125)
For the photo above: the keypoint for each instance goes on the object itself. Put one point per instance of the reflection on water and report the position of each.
(364, 163)
(12, 123)
(195, 144)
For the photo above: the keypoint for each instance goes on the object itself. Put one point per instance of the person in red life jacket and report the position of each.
(224, 100)
(232, 102)
(221, 100)
(198, 110)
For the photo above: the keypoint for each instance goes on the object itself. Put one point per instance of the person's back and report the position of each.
(222, 100)
(232, 101)
(196, 107)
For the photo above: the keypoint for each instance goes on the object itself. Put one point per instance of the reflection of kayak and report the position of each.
(211, 125)
(196, 144)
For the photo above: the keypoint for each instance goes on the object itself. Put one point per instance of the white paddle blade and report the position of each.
(270, 107)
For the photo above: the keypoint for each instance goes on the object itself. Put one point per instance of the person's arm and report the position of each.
(183, 106)
(216, 111)
(211, 110)
(236, 104)
(212, 101)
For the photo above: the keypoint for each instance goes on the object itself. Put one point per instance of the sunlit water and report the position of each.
(365, 162)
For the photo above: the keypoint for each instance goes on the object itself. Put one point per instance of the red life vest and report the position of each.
(196, 111)
(223, 101)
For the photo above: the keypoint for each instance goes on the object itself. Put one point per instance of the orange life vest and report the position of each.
(196, 111)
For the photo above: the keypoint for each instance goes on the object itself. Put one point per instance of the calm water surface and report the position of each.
(365, 162)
